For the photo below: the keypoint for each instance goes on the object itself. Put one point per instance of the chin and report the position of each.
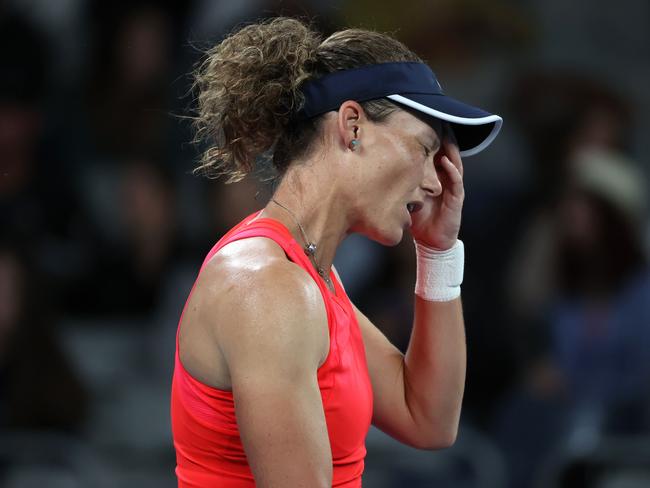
(387, 232)
(387, 237)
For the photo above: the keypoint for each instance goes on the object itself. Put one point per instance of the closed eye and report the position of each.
(428, 151)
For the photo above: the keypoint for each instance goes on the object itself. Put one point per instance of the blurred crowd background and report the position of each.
(103, 228)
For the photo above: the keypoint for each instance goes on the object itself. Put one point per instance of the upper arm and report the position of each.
(272, 340)
(386, 369)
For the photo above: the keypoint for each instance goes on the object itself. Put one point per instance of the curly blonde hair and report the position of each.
(249, 91)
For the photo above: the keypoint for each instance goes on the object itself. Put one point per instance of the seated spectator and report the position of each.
(587, 325)
(39, 390)
(127, 275)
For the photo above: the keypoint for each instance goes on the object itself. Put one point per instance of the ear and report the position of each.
(351, 117)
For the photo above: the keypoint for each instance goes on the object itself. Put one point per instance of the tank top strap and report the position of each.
(225, 238)
(275, 230)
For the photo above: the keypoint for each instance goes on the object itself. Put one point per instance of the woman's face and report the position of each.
(396, 166)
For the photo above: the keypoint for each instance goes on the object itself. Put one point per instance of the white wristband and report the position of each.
(439, 273)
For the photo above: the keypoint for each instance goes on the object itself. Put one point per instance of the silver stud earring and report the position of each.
(354, 144)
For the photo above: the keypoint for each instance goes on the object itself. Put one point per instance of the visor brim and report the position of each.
(474, 128)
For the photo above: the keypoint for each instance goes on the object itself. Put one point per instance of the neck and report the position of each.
(318, 208)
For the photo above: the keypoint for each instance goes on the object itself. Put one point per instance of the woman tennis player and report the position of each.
(278, 376)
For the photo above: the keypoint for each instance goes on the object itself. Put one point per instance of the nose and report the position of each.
(431, 183)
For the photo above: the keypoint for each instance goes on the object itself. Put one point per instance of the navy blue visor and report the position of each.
(410, 84)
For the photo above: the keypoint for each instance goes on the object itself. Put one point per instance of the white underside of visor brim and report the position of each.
(498, 121)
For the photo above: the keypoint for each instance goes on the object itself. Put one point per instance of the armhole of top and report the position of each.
(278, 236)
(278, 233)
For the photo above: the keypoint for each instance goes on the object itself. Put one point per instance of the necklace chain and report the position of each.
(310, 247)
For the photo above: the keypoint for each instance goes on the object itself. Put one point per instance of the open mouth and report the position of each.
(413, 207)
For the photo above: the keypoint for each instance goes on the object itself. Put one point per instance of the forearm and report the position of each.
(434, 369)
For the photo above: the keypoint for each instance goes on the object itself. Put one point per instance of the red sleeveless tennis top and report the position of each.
(209, 451)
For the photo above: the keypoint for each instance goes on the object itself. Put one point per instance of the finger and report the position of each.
(450, 147)
(452, 170)
(453, 153)
(454, 177)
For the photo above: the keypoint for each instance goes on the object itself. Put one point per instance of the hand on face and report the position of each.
(438, 222)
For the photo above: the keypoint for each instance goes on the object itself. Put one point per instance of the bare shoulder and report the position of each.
(255, 280)
(254, 305)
